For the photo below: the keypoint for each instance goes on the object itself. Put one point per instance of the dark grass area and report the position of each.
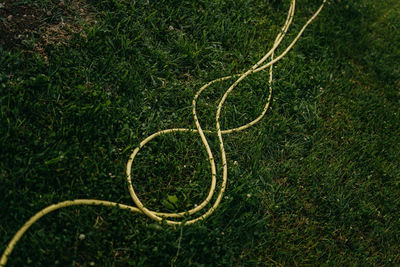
(316, 182)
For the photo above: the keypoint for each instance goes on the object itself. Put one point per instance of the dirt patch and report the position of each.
(16, 20)
(35, 26)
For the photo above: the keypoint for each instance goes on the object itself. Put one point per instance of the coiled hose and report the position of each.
(173, 218)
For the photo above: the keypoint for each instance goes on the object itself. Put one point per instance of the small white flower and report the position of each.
(248, 195)
(235, 163)
(82, 236)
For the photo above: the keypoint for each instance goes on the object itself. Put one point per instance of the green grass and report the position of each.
(316, 182)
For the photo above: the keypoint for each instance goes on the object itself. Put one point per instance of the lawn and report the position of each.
(315, 182)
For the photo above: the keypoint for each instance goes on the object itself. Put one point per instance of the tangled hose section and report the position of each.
(173, 218)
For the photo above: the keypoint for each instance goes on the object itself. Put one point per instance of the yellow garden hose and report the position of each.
(172, 218)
